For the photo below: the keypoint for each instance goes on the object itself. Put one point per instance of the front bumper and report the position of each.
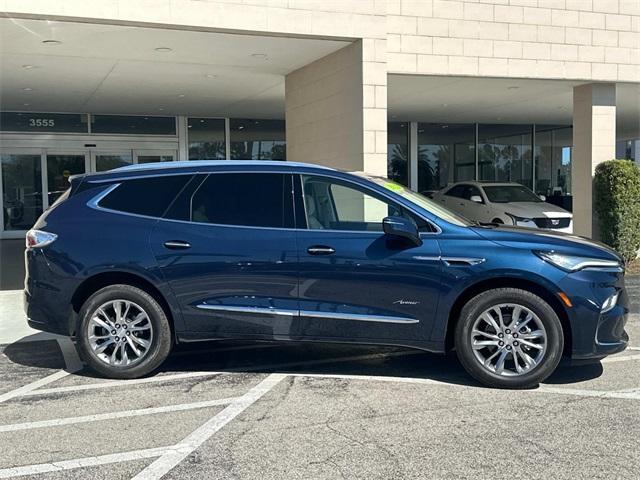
(594, 334)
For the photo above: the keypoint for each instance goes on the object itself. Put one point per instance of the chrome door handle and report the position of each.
(320, 250)
(177, 245)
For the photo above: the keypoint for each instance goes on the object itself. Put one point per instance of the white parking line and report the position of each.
(18, 392)
(170, 459)
(82, 462)
(621, 358)
(121, 383)
(56, 422)
(72, 365)
(626, 395)
(275, 366)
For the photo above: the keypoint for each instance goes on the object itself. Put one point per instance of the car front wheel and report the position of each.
(123, 332)
(509, 338)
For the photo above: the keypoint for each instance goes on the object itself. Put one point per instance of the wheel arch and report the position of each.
(508, 282)
(92, 284)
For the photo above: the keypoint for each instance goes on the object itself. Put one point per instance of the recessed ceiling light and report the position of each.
(28, 67)
(26, 104)
(445, 105)
(211, 75)
(51, 42)
(513, 87)
(259, 56)
(27, 89)
(164, 49)
(161, 108)
(181, 95)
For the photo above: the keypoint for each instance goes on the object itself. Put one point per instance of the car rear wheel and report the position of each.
(509, 338)
(123, 332)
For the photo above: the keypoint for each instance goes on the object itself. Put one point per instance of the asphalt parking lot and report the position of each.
(271, 411)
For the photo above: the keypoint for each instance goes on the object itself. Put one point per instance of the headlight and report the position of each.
(517, 219)
(573, 263)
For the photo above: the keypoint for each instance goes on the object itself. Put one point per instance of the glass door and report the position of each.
(21, 183)
(108, 160)
(148, 156)
(60, 166)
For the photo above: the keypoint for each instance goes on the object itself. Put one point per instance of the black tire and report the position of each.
(161, 341)
(547, 316)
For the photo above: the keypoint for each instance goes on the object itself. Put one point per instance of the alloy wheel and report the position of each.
(509, 339)
(120, 333)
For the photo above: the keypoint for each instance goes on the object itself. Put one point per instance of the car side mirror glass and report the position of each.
(476, 198)
(402, 227)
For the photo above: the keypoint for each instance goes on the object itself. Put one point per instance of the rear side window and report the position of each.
(145, 196)
(244, 199)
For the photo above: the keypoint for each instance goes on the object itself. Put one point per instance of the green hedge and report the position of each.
(617, 203)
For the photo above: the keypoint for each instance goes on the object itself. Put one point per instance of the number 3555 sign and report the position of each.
(43, 122)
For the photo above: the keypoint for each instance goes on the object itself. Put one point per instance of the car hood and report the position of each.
(518, 237)
(533, 209)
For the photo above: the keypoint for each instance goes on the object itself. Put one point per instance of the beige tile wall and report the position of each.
(572, 39)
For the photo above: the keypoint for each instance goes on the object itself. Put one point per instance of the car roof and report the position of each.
(483, 183)
(199, 166)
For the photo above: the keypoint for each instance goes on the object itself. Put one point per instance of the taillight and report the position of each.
(38, 238)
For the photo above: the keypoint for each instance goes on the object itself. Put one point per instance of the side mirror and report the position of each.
(476, 198)
(543, 198)
(403, 228)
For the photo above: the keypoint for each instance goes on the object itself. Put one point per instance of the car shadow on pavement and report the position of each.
(297, 359)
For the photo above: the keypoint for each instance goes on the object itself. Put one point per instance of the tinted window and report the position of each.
(510, 193)
(145, 196)
(334, 205)
(135, 125)
(457, 191)
(247, 199)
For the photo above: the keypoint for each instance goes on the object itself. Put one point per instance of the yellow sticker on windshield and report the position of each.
(394, 187)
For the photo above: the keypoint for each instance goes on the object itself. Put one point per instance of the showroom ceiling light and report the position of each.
(27, 89)
(260, 56)
(181, 95)
(28, 67)
(211, 75)
(52, 42)
(163, 49)
(513, 87)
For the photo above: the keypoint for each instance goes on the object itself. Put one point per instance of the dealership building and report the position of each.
(427, 92)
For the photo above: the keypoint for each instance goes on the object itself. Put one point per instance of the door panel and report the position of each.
(359, 283)
(232, 280)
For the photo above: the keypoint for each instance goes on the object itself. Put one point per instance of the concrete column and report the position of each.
(594, 141)
(336, 109)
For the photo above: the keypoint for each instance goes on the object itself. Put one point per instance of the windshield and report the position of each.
(510, 193)
(422, 201)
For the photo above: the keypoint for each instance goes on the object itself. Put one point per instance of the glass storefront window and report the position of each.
(59, 168)
(257, 139)
(553, 163)
(504, 153)
(109, 161)
(446, 154)
(206, 139)
(398, 152)
(21, 190)
(133, 124)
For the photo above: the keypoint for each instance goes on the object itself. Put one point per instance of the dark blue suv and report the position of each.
(133, 260)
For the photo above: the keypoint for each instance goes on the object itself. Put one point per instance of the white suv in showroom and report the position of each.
(506, 203)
